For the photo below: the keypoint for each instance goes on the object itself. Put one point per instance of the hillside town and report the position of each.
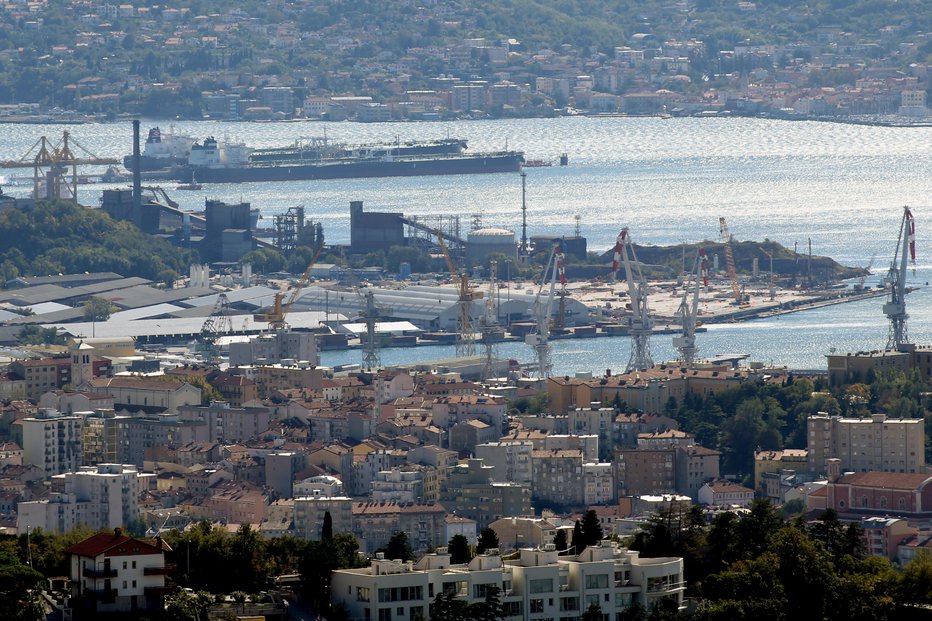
(285, 60)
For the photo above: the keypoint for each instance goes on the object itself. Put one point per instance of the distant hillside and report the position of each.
(59, 237)
(785, 262)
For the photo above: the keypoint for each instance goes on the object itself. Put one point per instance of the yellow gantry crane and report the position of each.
(50, 163)
(276, 315)
(466, 338)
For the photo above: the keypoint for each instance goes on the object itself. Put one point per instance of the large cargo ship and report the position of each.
(162, 151)
(216, 162)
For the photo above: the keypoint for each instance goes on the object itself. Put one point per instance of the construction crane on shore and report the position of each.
(369, 313)
(50, 163)
(276, 316)
(640, 323)
(217, 324)
(466, 337)
(688, 311)
(730, 261)
(539, 339)
(895, 308)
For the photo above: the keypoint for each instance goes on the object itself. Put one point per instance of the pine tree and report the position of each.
(559, 540)
(591, 528)
(578, 542)
(458, 548)
(326, 531)
(488, 539)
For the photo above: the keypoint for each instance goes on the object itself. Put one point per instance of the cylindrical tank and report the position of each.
(482, 242)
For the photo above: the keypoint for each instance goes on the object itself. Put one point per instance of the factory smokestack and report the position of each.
(137, 172)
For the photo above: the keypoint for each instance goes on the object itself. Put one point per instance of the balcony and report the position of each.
(159, 571)
(98, 573)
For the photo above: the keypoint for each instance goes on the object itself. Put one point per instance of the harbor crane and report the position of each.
(276, 315)
(730, 261)
(539, 339)
(50, 163)
(688, 311)
(640, 323)
(489, 325)
(369, 313)
(466, 337)
(215, 326)
(895, 308)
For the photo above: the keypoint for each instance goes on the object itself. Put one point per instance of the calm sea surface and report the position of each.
(842, 186)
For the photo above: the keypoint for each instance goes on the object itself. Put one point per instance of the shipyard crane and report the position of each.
(466, 338)
(640, 323)
(50, 163)
(490, 322)
(895, 308)
(730, 261)
(276, 315)
(369, 313)
(688, 310)
(539, 339)
(217, 324)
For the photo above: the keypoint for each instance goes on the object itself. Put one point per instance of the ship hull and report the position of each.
(147, 163)
(356, 169)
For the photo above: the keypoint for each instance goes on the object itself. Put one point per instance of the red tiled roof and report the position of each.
(889, 480)
(102, 543)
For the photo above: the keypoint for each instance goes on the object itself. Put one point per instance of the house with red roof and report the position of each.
(112, 572)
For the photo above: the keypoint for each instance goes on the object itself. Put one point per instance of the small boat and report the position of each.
(188, 186)
(537, 163)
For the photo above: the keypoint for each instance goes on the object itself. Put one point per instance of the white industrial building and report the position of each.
(540, 584)
(432, 307)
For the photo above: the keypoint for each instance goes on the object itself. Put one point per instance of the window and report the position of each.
(536, 605)
(134, 564)
(124, 564)
(362, 594)
(543, 585)
(598, 581)
(385, 614)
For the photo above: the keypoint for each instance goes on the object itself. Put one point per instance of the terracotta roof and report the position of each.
(381, 508)
(105, 542)
(889, 480)
(722, 487)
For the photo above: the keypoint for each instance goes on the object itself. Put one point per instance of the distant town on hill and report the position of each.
(393, 60)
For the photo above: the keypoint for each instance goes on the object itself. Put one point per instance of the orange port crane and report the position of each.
(276, 315)
(465, 340)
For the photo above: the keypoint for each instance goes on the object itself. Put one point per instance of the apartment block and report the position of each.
(641, 472)
(374, 523)
(537, 585)
(877, 443)
(103, 496)
(309, 513)
(53, 441)
(511, 460)
(557, 477)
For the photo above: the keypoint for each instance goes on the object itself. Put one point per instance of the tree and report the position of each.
(578, 542)
(399, 547)
(19, 590)
(488, 539)
(446, 606)
(559, 540)
(593, 613)
(168, 277)
(98, 309)
(591, 528)
(458, 547)
(489, 609)
(326, 530)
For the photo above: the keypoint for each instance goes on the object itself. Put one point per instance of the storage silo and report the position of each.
(482, 242)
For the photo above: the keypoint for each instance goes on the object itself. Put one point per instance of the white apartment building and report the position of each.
(100, 497)
(512, 460)
(53, 441)
(111, 572)
(870, 444)
(598, 483)
(538, 585)
(309, 512)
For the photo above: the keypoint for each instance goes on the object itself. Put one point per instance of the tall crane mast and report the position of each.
(730, 260)
(466, 337)
(688, 310)
(369, 313)
(490, 322)
(215, 326)
(276, 316)
(539, 339)
(640, 323)
(895, 308)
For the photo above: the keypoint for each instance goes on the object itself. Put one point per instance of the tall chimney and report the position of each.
(137, 174)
